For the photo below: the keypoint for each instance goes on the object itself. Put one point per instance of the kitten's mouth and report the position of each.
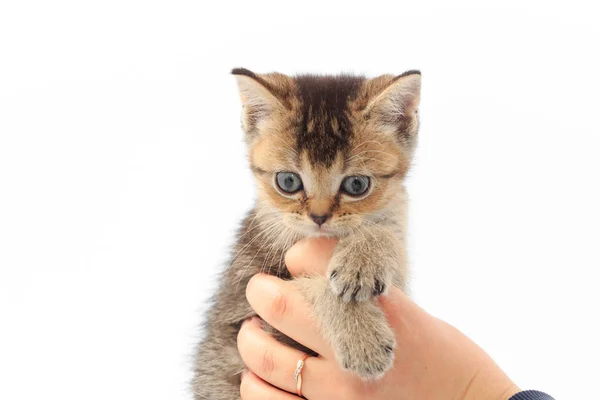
(313, 230)
(323, 231)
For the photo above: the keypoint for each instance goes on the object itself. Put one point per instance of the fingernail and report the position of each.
(260, 283)
(249, 320)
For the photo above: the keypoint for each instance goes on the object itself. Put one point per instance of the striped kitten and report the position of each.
(329, 154)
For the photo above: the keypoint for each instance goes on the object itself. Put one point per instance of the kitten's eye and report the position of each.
(356, 185)
(289, 182)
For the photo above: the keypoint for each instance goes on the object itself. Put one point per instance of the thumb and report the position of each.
(310, 256)
(401, 311)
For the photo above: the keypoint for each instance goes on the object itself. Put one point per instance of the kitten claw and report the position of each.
(375, 359)
(379, 288)
(343, 292)
(356, 290)
(351, 286)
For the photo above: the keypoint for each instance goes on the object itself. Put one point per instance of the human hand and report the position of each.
(433, 360)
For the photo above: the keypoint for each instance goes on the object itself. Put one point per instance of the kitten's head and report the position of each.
(330, 153)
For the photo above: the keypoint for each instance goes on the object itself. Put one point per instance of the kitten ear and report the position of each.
(260, 95)
(396, 101)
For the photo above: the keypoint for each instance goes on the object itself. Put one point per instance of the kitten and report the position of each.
(330, 154)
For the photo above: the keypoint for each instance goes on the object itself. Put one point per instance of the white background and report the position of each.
(123, 177)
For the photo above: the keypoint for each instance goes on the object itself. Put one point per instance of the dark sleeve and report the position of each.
(531, 395)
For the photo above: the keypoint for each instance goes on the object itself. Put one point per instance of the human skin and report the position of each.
(433, 360)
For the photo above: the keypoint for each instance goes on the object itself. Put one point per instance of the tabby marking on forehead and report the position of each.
(325, 125)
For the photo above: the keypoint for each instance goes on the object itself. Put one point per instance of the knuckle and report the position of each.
(280, 306)
(267, 363)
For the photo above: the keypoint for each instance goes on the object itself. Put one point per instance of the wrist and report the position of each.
(490, 383)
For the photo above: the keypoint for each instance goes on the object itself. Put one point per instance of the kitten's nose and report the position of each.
(319, 219)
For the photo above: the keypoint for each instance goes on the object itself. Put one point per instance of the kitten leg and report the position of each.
(358, 332)
(218, 366)
(365, 265)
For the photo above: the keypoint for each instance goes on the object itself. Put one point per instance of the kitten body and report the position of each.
(328, 135)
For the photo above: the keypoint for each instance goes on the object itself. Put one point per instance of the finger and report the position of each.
(400, 311)
(254, 388)
(310, 256)
(283, 307)
(275, 362)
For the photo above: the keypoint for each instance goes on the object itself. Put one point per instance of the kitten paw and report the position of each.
(368, 354)
(359, 278)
